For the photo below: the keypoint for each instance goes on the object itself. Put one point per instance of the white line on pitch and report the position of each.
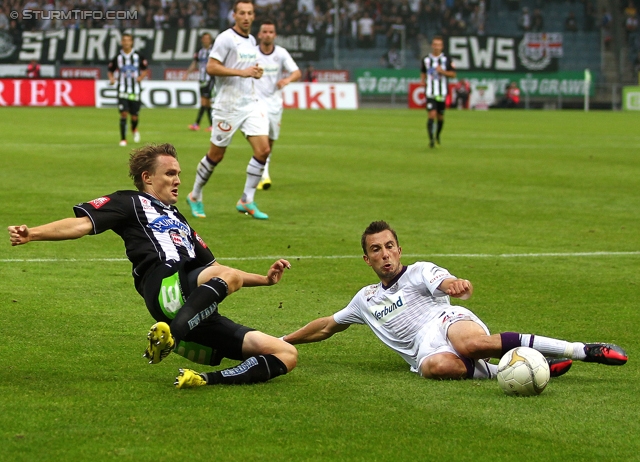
(335, 257)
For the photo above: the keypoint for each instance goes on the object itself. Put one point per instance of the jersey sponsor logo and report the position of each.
(436, 278)
(370, 291)
(99, 202)
(177, 231)
(386, 311)
(202, 243)
(244, 57)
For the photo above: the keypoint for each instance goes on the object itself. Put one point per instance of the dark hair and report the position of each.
(376, 227)
(144, 160)
(235, 4)
(207, 33)
(268, 22)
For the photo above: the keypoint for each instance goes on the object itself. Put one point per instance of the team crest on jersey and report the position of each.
(99, 202)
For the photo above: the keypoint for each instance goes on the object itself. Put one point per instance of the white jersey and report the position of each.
(235, 51)
(274, 64)
(398, 314)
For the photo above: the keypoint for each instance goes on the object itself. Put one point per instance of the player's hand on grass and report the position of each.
(277, 270)
(19, 234)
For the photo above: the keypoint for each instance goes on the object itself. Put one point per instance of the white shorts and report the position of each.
(434, 334)
(251, 123)
(274, 124)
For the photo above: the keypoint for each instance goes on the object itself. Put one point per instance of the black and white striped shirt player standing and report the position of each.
(200, 60)
(127, 69)
(436, 70)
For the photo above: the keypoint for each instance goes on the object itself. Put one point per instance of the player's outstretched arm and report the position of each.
(295, 76)
(458, 288)
(316, 331)
(272, 277)
(61, 230)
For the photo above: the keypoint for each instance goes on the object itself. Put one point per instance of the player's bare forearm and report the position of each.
(61, 230)
(216, 69)
(316, 331)
(272, 277)
(294, 77)
(457, 288)
(423, 79)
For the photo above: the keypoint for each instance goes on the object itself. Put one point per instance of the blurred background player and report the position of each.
(463, 90)
(233, 61)
(200, 59)
(276, 62)
(436, 69)
(33, 70)
(511, 98)
(131, 68)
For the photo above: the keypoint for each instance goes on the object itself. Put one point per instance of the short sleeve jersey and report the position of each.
(398, 313)
(437, 84)
(235, 51)
(129, 67)
(153, 233)
(275, 64)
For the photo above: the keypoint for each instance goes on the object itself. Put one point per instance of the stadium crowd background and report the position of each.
(364, 24)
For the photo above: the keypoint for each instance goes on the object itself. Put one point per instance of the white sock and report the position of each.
(265, 173)
(484, 370)
(553, 347)
(254, 173)
(203, 173)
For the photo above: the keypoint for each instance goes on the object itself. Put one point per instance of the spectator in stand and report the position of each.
(197, 17)
(365, 31)
(511, 98)
(33, 70)
(537, 21)
(605, 26)
(524, 23)
(571, 24)
(310, 74)
(462, 91)
(159, 19)
(4, 19)
(391, 59)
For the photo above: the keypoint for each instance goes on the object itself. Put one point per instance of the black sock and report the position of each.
(134, 124)
(200, 112)
(201, 304)
(440, 125)
(208, 109)
(430, 128)
(253, 370)
(123, 129)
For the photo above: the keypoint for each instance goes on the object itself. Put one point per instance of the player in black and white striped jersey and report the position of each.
(437, 68)
(200, 60)
(131, 68)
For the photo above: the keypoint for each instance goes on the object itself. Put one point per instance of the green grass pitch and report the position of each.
(540, 210)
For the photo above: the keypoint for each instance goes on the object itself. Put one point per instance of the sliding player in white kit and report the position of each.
(409, 311)
(276, 61)
(233, 61)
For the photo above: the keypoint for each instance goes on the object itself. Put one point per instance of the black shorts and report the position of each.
(128, 105)
(439, 106)
(215, 338)
(206, 89)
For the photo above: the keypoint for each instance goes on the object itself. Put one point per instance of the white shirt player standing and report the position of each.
(409, 311)
(233, 61)
(279, 71)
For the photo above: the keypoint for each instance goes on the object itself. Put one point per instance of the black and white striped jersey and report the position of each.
(153, 233)
(201, 58)
(436, 84)
(129, 67)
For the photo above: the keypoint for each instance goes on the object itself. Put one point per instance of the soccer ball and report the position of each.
(523, 372)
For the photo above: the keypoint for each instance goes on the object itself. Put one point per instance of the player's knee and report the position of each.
(440, 367)
(473, 347)
(288, 356)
